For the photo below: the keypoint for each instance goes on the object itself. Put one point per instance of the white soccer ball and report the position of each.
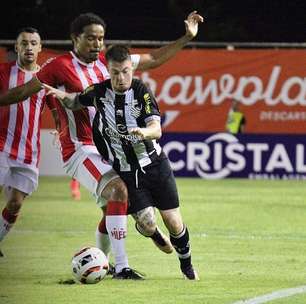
(89, 265)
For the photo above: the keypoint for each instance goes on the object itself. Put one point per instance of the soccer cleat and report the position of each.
(162, 242)
(1, 254)
(111, 269)
(75, 189)
(190, 274)
(128, 274)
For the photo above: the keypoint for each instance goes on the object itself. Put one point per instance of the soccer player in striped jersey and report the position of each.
(20, 129)
(73, 72)
(126, 131)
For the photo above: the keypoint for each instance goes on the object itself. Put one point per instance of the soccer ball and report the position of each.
(89, 265)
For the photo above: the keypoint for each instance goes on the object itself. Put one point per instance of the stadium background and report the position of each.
(241, 51)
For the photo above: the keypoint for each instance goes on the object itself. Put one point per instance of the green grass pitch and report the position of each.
(248, 239)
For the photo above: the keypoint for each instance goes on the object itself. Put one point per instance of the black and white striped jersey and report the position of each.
(116, 114)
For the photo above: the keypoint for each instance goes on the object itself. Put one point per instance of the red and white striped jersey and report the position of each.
(20, 123)
(68, 73)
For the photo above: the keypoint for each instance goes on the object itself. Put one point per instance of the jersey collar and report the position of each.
(82, 62)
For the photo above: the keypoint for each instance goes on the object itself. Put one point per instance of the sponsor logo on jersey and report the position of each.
(147, 100)
(135, 108)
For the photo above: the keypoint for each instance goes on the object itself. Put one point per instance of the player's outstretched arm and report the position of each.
(20, 93)
(161, 55)
(69, 100)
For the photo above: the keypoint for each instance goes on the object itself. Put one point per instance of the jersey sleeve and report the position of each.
(88, 97)
(1, 80)
(49, 73)
(149, 110)
(51, 102)
(135, 58)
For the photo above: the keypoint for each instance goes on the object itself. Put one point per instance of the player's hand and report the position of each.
(139, 132)
(55, 141)
(54, 92)
(191, 24)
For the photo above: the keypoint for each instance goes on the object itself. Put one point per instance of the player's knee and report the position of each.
(116, 190)
(14, 205)
(145, 221)
(15, 201)
(173, 220)
(119, 192)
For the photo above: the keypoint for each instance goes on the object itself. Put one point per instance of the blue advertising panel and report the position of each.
(223, 155)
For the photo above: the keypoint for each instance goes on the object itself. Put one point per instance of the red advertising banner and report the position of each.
(195, 89)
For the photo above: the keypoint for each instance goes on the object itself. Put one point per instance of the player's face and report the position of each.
(90, 43)
(28, 46)
(121, 74)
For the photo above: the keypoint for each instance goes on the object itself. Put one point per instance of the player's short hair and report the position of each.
(117, 53)
(78, 24)
(27, 29)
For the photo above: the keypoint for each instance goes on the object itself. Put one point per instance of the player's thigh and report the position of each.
(90, 170)
(139, 196)
(164, 190)
(173, 220)
(23, 179)
(4, 167)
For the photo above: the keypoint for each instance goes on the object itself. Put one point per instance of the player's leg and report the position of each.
(146, 225)
(179, 237)
(83, 166)
(19, 182)
(11, 211)
(88, 168)
(167, 202)
(3, 171)
(115, 192)
(102, 238)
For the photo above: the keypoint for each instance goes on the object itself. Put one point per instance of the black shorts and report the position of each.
(154, 187)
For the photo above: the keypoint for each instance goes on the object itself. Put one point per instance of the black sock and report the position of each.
(156, 236)
(181, 245)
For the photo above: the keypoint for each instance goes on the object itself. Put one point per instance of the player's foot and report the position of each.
(111, 269)
(162, 242)
(75, 189)
(1, 254)
(190, 274)
(128, 274)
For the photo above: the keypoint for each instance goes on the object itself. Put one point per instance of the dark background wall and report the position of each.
(248, 20)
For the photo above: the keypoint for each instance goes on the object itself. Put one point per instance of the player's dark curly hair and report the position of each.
(117, 53)
(27, 29)
(78, 24)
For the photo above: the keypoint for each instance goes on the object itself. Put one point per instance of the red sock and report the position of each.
(116, 208)
(102, 226)
(10, 218)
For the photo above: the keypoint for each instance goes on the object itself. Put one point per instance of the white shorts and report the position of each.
(22, 177)
(88, 168)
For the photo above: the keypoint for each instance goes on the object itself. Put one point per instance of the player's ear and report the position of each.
(73, 38)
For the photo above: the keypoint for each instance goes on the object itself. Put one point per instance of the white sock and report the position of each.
(5, 227)
(103, 242)
(117, 228)
(116, 225)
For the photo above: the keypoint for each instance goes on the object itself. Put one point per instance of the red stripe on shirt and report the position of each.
(19, 121)
(92, 169)
(4, 120)
(28, 147)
